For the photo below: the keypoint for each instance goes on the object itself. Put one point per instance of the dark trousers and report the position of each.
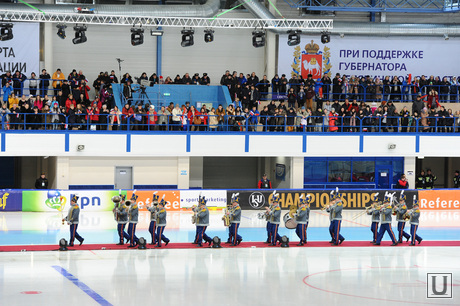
(301, 231)
(386, 227)
(201, 234)
(121, 232)
(331, 231)
(375, 231)
(274, 233)
(336, 224)
(233, 233)
(413, 233)
(133, 240)
(269, 231)
(152, 229)
(401, 231)
(159, 236)
(74, 234)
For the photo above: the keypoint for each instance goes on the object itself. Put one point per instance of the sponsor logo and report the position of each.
(439, 285)
(3, 200)
(256, 200)
(55, 200)
(312, 61)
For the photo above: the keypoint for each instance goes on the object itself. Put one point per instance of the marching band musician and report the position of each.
(269, 225)
(161, 224)
(121, 213)
(133, 212)
(385, 220)
(336, 217)
(235, 219)
(414, 214)
(301, 217)
(72, 219)
(202, 223)
(329, 210)
(375, 213)
(275, 217)
(401, 209)
(153, 217)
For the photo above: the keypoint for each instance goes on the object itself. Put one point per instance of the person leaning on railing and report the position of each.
(115, 118)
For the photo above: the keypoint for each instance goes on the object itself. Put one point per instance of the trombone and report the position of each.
(377, 207)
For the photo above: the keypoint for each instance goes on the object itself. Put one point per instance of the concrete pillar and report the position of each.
(196, 172)
(409, 170)
(271, 49)
(297, 175)
(183, 172)
(46, 44)
(62, 173)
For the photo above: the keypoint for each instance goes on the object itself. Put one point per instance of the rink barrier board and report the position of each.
(177, 200)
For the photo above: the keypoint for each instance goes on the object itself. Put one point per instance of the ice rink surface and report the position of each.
(243, 276)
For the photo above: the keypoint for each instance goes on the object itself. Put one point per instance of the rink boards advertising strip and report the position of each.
(176, 200)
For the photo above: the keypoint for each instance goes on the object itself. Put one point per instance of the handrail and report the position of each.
(233, 123)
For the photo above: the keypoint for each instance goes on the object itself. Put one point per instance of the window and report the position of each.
(363, 171)
(315, 171)
(339, 171)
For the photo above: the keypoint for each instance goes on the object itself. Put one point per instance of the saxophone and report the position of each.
(226, 217)
(194, 215)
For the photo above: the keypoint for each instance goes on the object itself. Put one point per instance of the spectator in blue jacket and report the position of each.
(7, 90)
(253, 119)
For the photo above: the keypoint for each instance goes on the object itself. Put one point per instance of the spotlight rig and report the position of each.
(61, 30)
(294, 37)
(258, 38)
(187, 38)
(6, 31)
(137, 36)
(80, 36)
(208, 36)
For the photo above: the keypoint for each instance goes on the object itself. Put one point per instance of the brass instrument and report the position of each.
(226, 217)
(194, 217)
(292, 210)
(377, 207)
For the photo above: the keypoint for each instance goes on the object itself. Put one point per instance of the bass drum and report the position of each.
(289, 222)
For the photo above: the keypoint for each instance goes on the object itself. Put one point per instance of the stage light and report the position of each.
(284, 242)
(137, 36)
(61, 30)
(80, 36)
(6, 31)
(216, 242)
(325, 37)
(187, 38)
(142, 242)
(258, 38)
(63, 245)
(154, 32)
(208, 36)
(294, 37)
(446, 37)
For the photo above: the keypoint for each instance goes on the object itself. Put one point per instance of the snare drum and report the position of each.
(289, 222)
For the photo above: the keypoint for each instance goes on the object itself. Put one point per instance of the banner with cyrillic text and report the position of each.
(373, 56)
(22, 52)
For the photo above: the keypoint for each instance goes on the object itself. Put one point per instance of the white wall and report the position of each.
(231, 50)
(101, 170)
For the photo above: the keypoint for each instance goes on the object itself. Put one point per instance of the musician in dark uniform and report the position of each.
(161, 224)
(375, 213)
(457, 179)
(275, 219)
(73, 219)
(301, 216)
(235, 219)
(385, 220)
(202, 223)
(121, 216)
(133, 212)
(264, 183)
(401, 209)
(414, 214)
(153, 209)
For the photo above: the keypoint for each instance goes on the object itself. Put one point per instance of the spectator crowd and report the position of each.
(341, 104)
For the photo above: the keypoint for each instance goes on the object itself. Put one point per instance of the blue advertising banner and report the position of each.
(10, 200)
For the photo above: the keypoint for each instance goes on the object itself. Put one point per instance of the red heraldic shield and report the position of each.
(312, 64)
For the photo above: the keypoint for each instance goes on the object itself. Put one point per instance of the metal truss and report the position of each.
(404, 6)
(179, 22)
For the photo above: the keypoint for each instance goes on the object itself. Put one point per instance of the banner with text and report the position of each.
(22, 52)
(374, 56)
(352, 199)
(10, 200)
(439, 199)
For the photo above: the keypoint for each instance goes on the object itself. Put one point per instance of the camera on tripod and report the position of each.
(143, 83)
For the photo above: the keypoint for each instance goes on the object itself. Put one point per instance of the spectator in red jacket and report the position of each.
(127, 116)
(193, 117)
(264, 183)
(70, 100)
(402, 183)
(152, 118)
